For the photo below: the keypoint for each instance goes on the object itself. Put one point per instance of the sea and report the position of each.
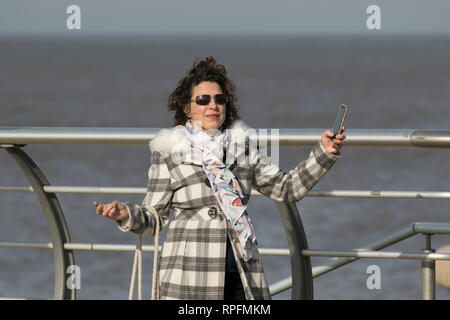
(396, 82)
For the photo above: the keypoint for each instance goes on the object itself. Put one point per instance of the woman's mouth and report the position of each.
(212, 116)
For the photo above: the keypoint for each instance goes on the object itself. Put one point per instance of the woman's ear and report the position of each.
(187, 111)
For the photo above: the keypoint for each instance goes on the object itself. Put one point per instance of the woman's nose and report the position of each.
(212, 104)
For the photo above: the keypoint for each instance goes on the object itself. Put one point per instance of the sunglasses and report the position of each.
(205, 99)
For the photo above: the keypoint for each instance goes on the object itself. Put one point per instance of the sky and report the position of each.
(259, 17)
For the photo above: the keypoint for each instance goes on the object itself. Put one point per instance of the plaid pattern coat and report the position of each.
(193, 257)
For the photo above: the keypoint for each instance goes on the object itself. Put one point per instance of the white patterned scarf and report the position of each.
(228, 192)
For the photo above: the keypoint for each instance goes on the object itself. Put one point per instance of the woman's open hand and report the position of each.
(114, 210)
(333, 144)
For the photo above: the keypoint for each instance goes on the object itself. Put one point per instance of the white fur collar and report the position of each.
(165, 141)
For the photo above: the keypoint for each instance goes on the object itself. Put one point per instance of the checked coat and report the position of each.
(193, 257)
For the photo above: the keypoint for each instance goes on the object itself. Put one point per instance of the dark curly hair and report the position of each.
(203, 70)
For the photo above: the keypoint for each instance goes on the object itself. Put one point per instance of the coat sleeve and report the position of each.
(272, 182)
(156, 204)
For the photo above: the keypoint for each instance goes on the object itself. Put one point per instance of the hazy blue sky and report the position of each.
(224, 17)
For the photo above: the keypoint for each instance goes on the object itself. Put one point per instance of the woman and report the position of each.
(210, 247)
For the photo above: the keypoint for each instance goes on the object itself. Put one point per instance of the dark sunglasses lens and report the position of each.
(203, 100)
(221, 98)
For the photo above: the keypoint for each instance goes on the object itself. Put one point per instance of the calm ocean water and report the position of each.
(282, 83)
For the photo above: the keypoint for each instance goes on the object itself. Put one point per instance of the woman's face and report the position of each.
(210, 116)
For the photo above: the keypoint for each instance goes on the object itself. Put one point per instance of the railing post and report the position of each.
(57, 227)
(428, 273)
(302, 281)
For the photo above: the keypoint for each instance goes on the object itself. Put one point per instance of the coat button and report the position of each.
(212, 212)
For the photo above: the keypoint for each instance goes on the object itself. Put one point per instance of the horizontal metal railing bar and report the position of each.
(381, 194)
(106, 247)
(79, 189)
(286, 137)
(331, 193)
(377, 254)
(262, 251)
(76, 135)
(26, 245)
(77, 246)
(432, 227)
(392, 238)
(114, 247)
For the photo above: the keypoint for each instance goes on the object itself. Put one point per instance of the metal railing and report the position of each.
(12, 139)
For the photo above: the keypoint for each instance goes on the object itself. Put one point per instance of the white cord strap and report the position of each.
(155, 276)
(137, 264)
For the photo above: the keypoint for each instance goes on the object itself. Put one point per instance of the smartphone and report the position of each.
(340, 117)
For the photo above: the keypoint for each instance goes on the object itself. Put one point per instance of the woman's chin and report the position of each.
(211, 125)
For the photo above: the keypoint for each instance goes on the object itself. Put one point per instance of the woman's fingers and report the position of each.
(341, 136)
(114, 210)
(106, 210)
(99, 208)
(116, 205)
(333, 143)
(110, 210)
(110, 213)
(102, 209)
